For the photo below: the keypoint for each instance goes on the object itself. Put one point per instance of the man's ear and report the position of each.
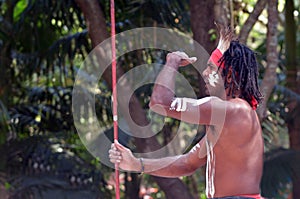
(229, 76)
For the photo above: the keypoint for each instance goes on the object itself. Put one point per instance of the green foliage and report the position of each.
(49, 165)
(52, 159)
(42, 156)
(43, 43)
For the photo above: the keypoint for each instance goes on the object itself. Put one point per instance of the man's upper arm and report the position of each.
(206, 111)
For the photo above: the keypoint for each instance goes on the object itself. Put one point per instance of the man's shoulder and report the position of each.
(240, 115)
(239, 106)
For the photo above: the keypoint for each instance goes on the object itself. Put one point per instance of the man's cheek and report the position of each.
(213, 78)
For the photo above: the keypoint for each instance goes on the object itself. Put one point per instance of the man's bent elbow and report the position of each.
(158, 108)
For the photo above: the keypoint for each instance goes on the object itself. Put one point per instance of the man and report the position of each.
(232, 148)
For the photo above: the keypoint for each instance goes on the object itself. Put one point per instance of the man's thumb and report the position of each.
(119, 146)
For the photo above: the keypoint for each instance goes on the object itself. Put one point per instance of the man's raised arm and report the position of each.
(163, 91)
(197, 111)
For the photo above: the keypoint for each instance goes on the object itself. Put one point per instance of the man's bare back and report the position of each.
(238, 154)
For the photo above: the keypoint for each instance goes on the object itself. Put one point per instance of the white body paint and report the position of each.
(195, 148)
(181, 104)
(210, 170)
(213, 78)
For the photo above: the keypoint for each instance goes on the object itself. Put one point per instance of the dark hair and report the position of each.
(242, 61)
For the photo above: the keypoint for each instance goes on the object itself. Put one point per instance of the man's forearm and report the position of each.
(163, 91)
(167, 167)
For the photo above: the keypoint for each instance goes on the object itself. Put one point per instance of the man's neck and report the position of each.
(230, 95)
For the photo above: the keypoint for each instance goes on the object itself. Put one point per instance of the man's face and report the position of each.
(213, 79)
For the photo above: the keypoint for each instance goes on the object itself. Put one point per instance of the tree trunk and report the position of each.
(97, 29)
(176, 190)
(270, 78)
(221, 12)
(293, 84)
(200, 27)
(5, 53)
(132, 183)
(201, 32)
(291, 47)
(251, 20)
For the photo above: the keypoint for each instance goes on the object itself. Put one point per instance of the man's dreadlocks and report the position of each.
(242, 62)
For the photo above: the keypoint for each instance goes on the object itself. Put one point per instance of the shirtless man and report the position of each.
(234, 160)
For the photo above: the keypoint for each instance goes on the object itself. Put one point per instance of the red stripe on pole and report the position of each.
(114, 89)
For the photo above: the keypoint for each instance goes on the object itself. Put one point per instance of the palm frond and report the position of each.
(280, 167)
(49, 166)
(278, 114)
(59, 56)
(47, 186)
(65, 12)
(48, 109)
(282, 96)
(44, 109)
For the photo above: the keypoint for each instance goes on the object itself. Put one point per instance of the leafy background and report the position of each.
(43, 43)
